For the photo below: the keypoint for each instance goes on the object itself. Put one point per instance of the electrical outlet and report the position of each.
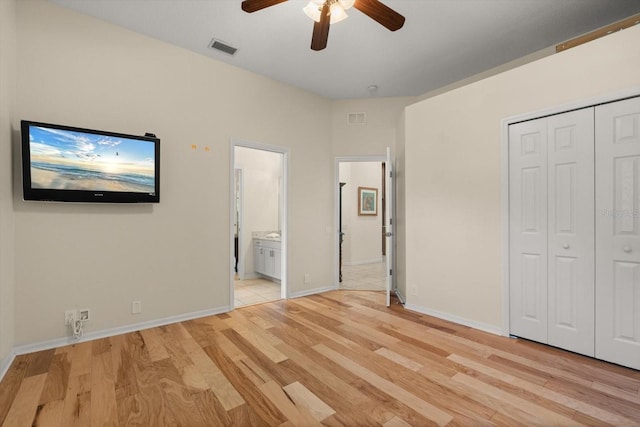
(85, 315)
(414, 290)
(69, 317)
(136, 307)
(307, 278)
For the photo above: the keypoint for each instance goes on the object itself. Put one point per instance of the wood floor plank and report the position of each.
(396, 422)
(425, 408)
(296, 415)
(462, 410)
(200, 330)
(25, 405)
(340, 358)
(219, 384)
(597, 400)
(617, 392)
(49, 414)
(533, 412)
(240, 322)
(211, 409)
(592, 411)
(302, 397)
(181, 404)
(77, 401)
(385, 407)
(151, 401)
(338, 384)
(126, 350)
(55, 388)
(262, 407)
(288, 327)
(399, 359)
(10, 384)
(80, 357)
(39, 362)
(265, 341)
(153, 341)
(103, 392)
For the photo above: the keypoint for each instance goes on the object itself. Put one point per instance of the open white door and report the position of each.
(388, 226)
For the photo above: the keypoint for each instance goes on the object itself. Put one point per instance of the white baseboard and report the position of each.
(6, 363)
(312, 291)
(455, 319)
(59, 342)
(365, 261)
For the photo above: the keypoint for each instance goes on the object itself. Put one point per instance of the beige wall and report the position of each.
(173, 256)
(453, 205)
(376, 135)
(7, 99)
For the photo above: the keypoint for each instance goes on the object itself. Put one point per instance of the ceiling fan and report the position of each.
(327, 12)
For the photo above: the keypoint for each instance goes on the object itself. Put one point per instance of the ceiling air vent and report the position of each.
(357, 118)
(222, 47)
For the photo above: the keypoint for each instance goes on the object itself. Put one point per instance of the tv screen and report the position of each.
(69, 164)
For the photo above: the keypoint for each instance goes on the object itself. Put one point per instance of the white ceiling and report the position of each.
(442, 41)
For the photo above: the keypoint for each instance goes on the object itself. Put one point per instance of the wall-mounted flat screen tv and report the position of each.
(69, 164)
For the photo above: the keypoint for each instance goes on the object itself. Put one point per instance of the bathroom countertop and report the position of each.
(273, 236)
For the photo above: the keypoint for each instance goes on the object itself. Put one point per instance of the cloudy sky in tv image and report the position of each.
(79, 160)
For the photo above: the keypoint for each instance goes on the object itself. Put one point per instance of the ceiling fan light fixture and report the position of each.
(347, 4)
(336, 9)
(337, 13)
(312, 10)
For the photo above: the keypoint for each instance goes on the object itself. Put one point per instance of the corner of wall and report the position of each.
(7, 102)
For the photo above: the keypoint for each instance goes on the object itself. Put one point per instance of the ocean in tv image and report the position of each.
(69, 160)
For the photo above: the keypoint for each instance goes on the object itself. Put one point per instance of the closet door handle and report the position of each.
(565, 246)
(627, 249)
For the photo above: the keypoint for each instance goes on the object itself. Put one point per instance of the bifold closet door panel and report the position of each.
(618, 232)
(571, 269)
(528, 229)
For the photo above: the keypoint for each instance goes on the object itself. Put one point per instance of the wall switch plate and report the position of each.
(136, 307)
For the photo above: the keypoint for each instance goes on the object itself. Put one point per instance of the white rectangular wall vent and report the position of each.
(357, 118)
(222, 47)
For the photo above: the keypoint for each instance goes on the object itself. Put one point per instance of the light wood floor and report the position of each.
(339, 358)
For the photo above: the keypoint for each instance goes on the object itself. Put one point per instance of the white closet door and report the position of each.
(528, 229)
(618, 232)
(570, 231)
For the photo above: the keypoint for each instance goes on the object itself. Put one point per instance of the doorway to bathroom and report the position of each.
(258, 223)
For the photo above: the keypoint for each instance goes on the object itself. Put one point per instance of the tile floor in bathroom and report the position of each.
(370, 277)
(255, 291)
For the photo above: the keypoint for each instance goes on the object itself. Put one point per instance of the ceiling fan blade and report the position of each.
(381, 13)
(255, 5)
(321, 29)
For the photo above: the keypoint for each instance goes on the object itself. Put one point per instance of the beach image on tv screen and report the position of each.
(70, 160)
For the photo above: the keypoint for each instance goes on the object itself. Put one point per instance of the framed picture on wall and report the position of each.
(367, 201)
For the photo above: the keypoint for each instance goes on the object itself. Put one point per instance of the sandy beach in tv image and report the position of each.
(70, 160)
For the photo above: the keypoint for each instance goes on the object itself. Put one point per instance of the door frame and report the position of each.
(240, 218)
(283, 211)
(504, 175)
(352, 159)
